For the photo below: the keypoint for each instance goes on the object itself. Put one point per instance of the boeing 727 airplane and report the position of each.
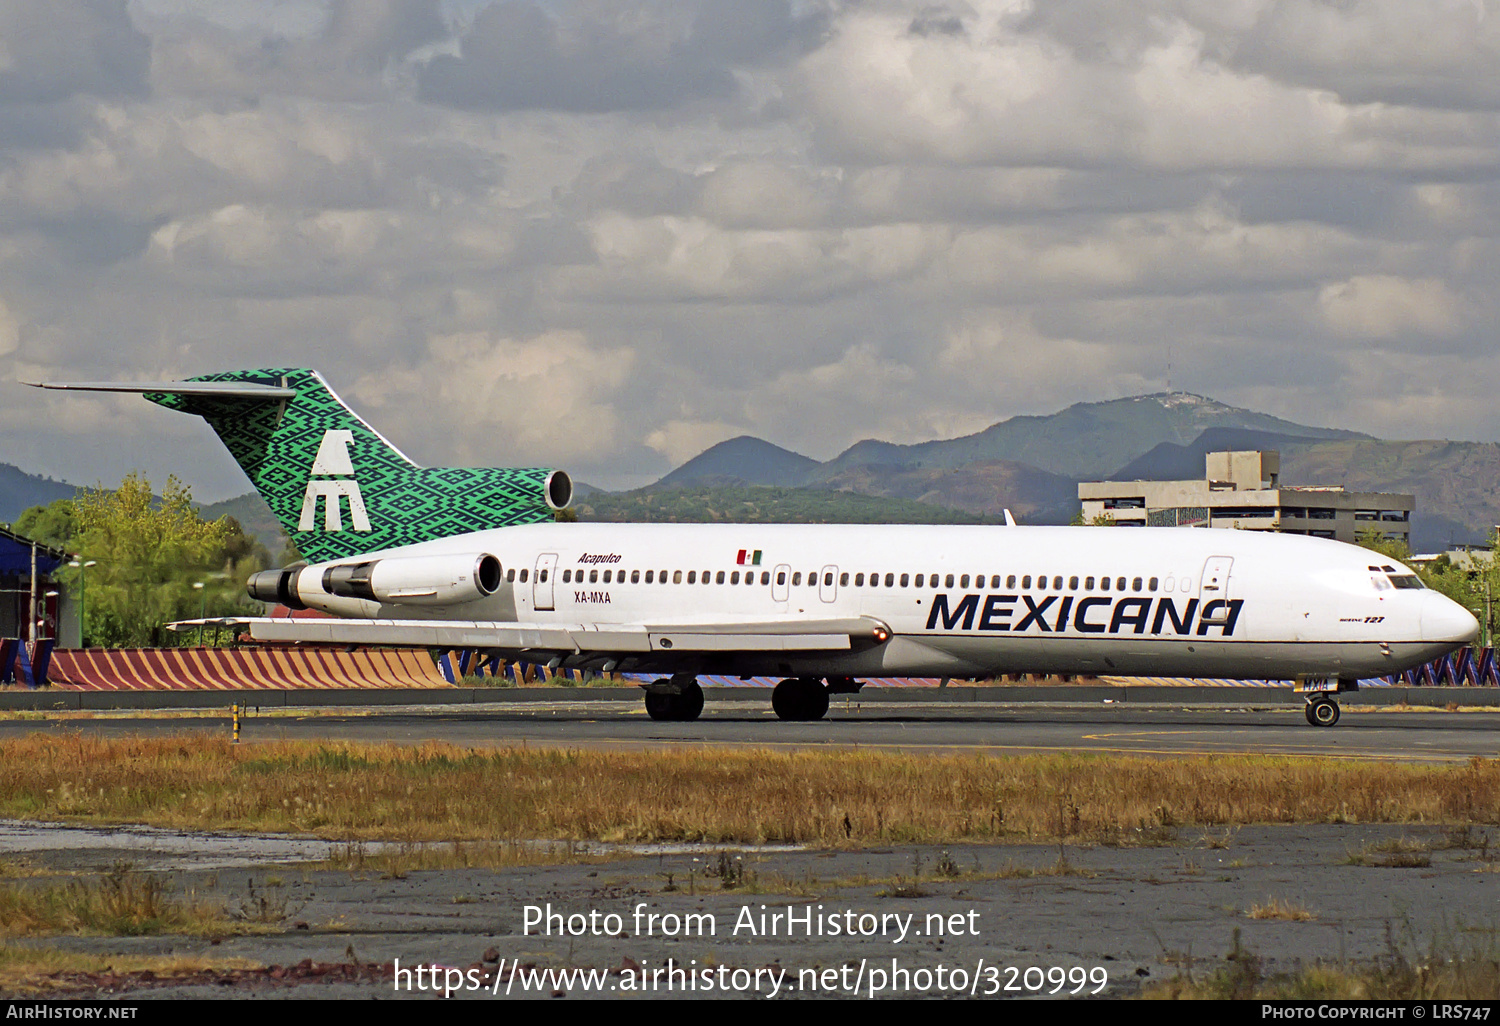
(471, 558)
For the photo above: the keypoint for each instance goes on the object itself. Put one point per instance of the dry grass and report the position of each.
(1462, 966)
(441, 792)
(27, 971)
(1396, 853)
(120, 903)
(1283, 910)
(395, 863)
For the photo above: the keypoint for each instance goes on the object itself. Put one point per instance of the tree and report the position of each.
(54, 524)
(148, 554)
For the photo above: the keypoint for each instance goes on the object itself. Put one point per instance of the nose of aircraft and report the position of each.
(1446, 620)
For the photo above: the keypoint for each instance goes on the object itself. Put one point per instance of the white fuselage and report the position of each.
(963, 601)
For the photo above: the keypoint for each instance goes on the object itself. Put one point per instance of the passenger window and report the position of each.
(510, 575)
(542, 577)
(797, 578)
(963, 582)
(1010, 582)
(1135, 585)
(1072, 584)
(905, 578)
(918, 582)
(843, 580)
(692, 577)
(1026, 581)
(1152, 584)
(932, 580)
(720, 578)
(828, 580)
(734, 578)
(593, 576)
(1119, 584)
(567, 576)
(650, 577)
(523, 576)
(995, 581)
(676, 576)
(1041, 582)
(950, 581)
(890, 580)
(1104, 584)
(708, 577)
(781, 578)
(859, 580)
(1057, 583)
(606, 576)
(1088, 584)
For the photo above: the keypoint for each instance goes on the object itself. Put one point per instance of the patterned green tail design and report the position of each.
(338, 488)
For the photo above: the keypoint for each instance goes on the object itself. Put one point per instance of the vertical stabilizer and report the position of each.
(336, 485)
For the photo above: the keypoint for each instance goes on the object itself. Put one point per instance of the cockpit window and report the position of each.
(1406, 581)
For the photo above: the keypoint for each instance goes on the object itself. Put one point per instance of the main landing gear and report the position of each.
(800, 698)
(675, 698)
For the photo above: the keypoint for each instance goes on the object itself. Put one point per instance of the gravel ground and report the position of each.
(985, 914)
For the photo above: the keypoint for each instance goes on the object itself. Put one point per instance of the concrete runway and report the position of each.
(1366, 733)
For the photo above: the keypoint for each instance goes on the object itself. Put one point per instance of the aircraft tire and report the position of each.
(690, 702)
(815, 700)
(1323, 714)
(785, 699)
(661, 706)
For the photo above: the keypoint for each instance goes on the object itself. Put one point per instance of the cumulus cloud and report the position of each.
(550, 397)
(1006, 92)
(571, 232)
(594, 57)
(1378, 306)
(57, 50)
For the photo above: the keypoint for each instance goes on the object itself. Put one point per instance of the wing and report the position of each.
(576, 639)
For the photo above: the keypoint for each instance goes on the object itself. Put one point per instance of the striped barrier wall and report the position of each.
(221, 669)
(1472, 667)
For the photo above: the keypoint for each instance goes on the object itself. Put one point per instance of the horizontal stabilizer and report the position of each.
(218, 389)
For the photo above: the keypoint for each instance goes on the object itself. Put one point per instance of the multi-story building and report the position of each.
(1242, 489)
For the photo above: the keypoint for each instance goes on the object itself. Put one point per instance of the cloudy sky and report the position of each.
(605, 235)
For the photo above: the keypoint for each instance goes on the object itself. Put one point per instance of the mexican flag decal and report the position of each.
(748, 558)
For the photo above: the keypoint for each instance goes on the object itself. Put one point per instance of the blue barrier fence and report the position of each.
(25, 664)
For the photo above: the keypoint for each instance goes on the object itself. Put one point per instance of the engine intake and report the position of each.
(416, 580)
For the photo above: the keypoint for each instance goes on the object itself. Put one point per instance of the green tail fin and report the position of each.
(338, 488)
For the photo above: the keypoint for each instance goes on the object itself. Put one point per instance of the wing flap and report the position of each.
(806, 636)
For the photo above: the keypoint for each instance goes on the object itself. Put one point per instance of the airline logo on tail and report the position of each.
(333, 460)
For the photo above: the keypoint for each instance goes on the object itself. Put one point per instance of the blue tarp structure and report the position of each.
(15, 556)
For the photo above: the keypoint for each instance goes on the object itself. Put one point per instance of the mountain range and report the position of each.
(1030, 465)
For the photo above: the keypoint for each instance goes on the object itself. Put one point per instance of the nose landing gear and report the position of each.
(1322, 711)
(1322, 708)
